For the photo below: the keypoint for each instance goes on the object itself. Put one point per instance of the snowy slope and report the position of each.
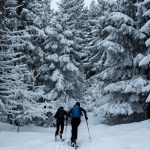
(133, 136)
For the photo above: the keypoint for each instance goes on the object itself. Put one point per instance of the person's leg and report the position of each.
(73, 130)
(62, 129)
(76, 129)
(57, 128)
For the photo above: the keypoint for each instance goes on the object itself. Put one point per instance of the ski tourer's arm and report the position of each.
(84, 111)
(65, 112)
(68, 114)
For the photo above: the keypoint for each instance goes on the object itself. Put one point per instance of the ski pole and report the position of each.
(88, 131)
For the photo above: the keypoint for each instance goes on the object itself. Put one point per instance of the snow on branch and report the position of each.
(120, 108)
(146, 2)
(146, 28)
(112, 47)
(148, 98)
(125, 29)
(119, 18)
(71, 67)
(145, 61)
(57, 75)
(147, 43)
(116, 108)
(64, 58)
(128, 86)
(53, 57)
(147, 13)
(137, 59)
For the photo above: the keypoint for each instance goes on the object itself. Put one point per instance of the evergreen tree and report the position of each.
(97, 18)
(75, 11)
(90, 37)
(121, 82)
(18, 101)
(34, 17)
(142, 60)
(96, 22)
(60, 70)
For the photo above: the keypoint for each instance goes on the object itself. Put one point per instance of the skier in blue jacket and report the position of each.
(75, 113)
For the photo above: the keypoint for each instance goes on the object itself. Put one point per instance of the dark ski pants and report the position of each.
(59, 127)
(75, 123)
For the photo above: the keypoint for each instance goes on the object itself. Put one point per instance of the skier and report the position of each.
(60, 118)
(75, 113)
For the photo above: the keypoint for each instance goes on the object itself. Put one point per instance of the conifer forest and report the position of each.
(97, 54)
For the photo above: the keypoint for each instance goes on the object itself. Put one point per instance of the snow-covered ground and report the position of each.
(134, 136)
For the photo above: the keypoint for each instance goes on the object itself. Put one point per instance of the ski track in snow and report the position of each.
(134, 136)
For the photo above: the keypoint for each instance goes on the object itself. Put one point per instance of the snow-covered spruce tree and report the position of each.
(96, 23)
(64, 39)
(61, 70)
(74, 9)
(35, 16)
(90, 28)
(123, 85)
(18, 102)
(91, 86)
(35, 12)
(146, 30)
(142, 59)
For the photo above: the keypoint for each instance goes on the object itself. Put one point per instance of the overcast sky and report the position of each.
(54, 5)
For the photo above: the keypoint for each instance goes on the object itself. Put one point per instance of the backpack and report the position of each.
(76, 111)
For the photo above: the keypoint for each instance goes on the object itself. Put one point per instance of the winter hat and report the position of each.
(61, 107)
(77, 103)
